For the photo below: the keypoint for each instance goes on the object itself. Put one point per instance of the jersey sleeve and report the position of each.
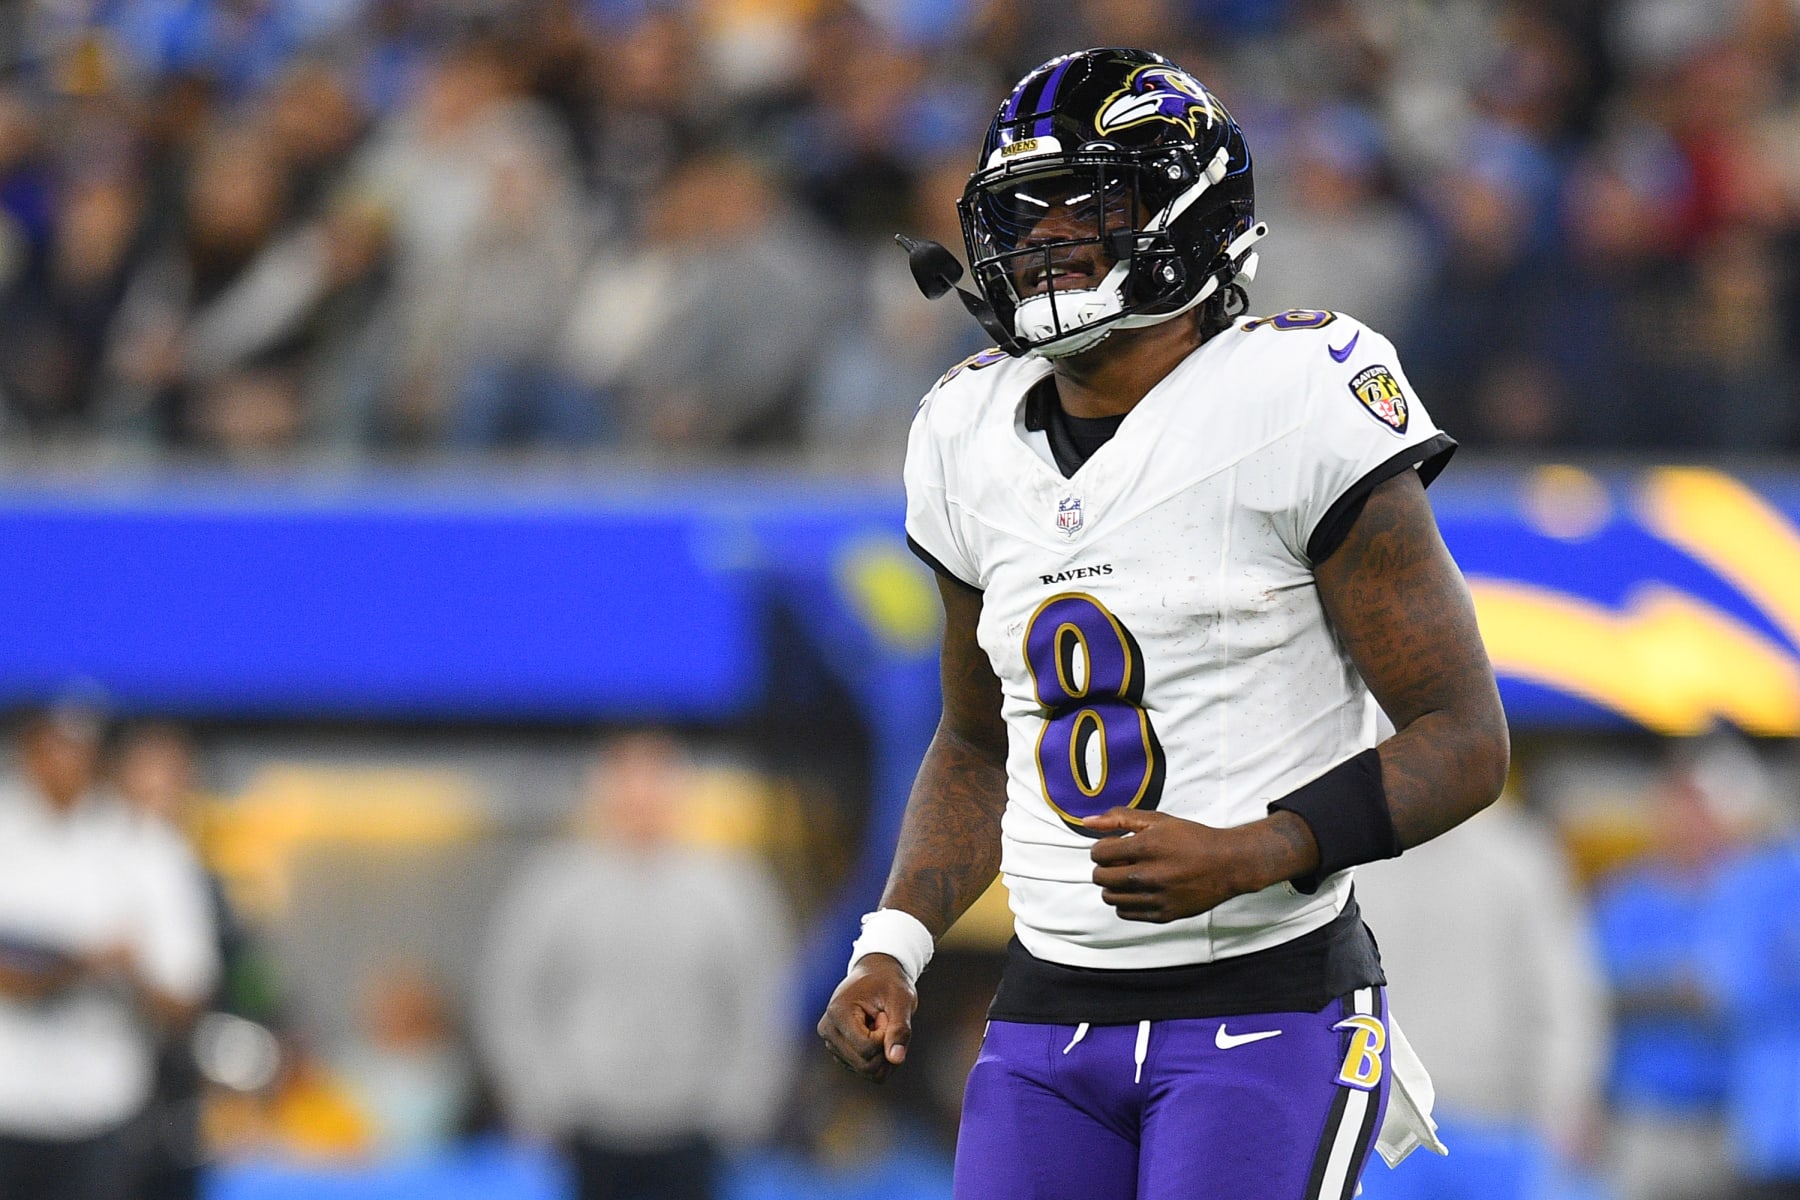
(931, 530)
(1364, 426)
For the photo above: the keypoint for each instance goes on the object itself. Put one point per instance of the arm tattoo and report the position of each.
(1403, 611)
(949, 849)
(950, 842)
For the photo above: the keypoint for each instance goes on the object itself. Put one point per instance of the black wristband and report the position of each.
(1346, 809)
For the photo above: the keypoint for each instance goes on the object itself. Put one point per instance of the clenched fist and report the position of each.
(869, 1020)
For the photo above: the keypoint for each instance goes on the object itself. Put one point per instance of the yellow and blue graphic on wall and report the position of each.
(1670, 599)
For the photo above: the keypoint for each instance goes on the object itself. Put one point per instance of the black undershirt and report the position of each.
(1301, 975)
(1073, 440)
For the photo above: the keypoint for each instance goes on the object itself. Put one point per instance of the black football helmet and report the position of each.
(1114, 191)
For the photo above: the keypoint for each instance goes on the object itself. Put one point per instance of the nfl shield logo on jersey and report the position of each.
(1068, 515)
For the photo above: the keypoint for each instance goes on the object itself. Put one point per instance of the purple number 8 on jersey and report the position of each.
(1098, 749)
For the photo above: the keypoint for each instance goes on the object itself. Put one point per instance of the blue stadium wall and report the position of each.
(1661, 599)
(1665, 598)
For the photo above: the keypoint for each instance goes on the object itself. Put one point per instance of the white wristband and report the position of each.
(896, 932)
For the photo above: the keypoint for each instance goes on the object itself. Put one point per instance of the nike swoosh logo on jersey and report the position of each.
(1341, 355)
(1226, 1041)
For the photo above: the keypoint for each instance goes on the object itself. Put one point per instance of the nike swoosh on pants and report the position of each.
(1225, 1041)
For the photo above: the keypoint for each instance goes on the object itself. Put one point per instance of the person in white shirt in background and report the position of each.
(106, 939)
(605, 956)
(1485, 930)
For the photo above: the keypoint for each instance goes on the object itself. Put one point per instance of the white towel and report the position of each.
(1407, 1124)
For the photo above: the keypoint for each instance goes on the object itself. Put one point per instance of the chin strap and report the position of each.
(1240, 259)
(1106, 299)
(1242, 242)
(1089, 312)
(1235, 271)
(1213, 172)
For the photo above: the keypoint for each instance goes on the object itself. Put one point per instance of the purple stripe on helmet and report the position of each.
(1047, 98)
(1011, 111)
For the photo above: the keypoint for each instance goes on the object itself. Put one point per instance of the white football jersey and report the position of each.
(1154, 620)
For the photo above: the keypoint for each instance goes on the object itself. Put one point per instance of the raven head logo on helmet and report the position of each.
(1161, 94)
(1113, 192)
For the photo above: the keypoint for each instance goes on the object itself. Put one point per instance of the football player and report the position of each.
(1184, 558)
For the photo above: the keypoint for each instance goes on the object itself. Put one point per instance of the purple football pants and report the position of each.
(1177, 1110)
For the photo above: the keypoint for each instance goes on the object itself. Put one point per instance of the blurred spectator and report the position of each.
(1614, 305)
(1495, 980)
(105, 940)
(157, 775)
(53, 342)
(313, 121)
(649, 117)
(853, 156)
(1479, 314)
(1750, 939)
(523, 261)
(635, 1002)
(1531, 79)
(154, 773)
(477, 183)
(896, 344)
(1576, 219)
(1670, 1046)
(407, 1067)
(157, 772)
(160, 138)
(210, 300)
(704, 333)
(1336, 242)
(35, 383)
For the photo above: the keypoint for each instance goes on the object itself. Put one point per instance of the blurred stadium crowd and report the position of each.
(274, 228)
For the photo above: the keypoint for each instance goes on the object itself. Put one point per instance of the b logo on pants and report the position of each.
(1362, 1063)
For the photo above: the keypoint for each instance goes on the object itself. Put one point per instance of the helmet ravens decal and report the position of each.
(1160, 93)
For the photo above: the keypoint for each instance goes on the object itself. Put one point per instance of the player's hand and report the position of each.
(1171, 868)
(869, 1020)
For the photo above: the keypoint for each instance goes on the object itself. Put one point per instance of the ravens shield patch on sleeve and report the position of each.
(1380, 393)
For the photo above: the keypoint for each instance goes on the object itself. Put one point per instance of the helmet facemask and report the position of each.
(1067, 251)
(1050, 249)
